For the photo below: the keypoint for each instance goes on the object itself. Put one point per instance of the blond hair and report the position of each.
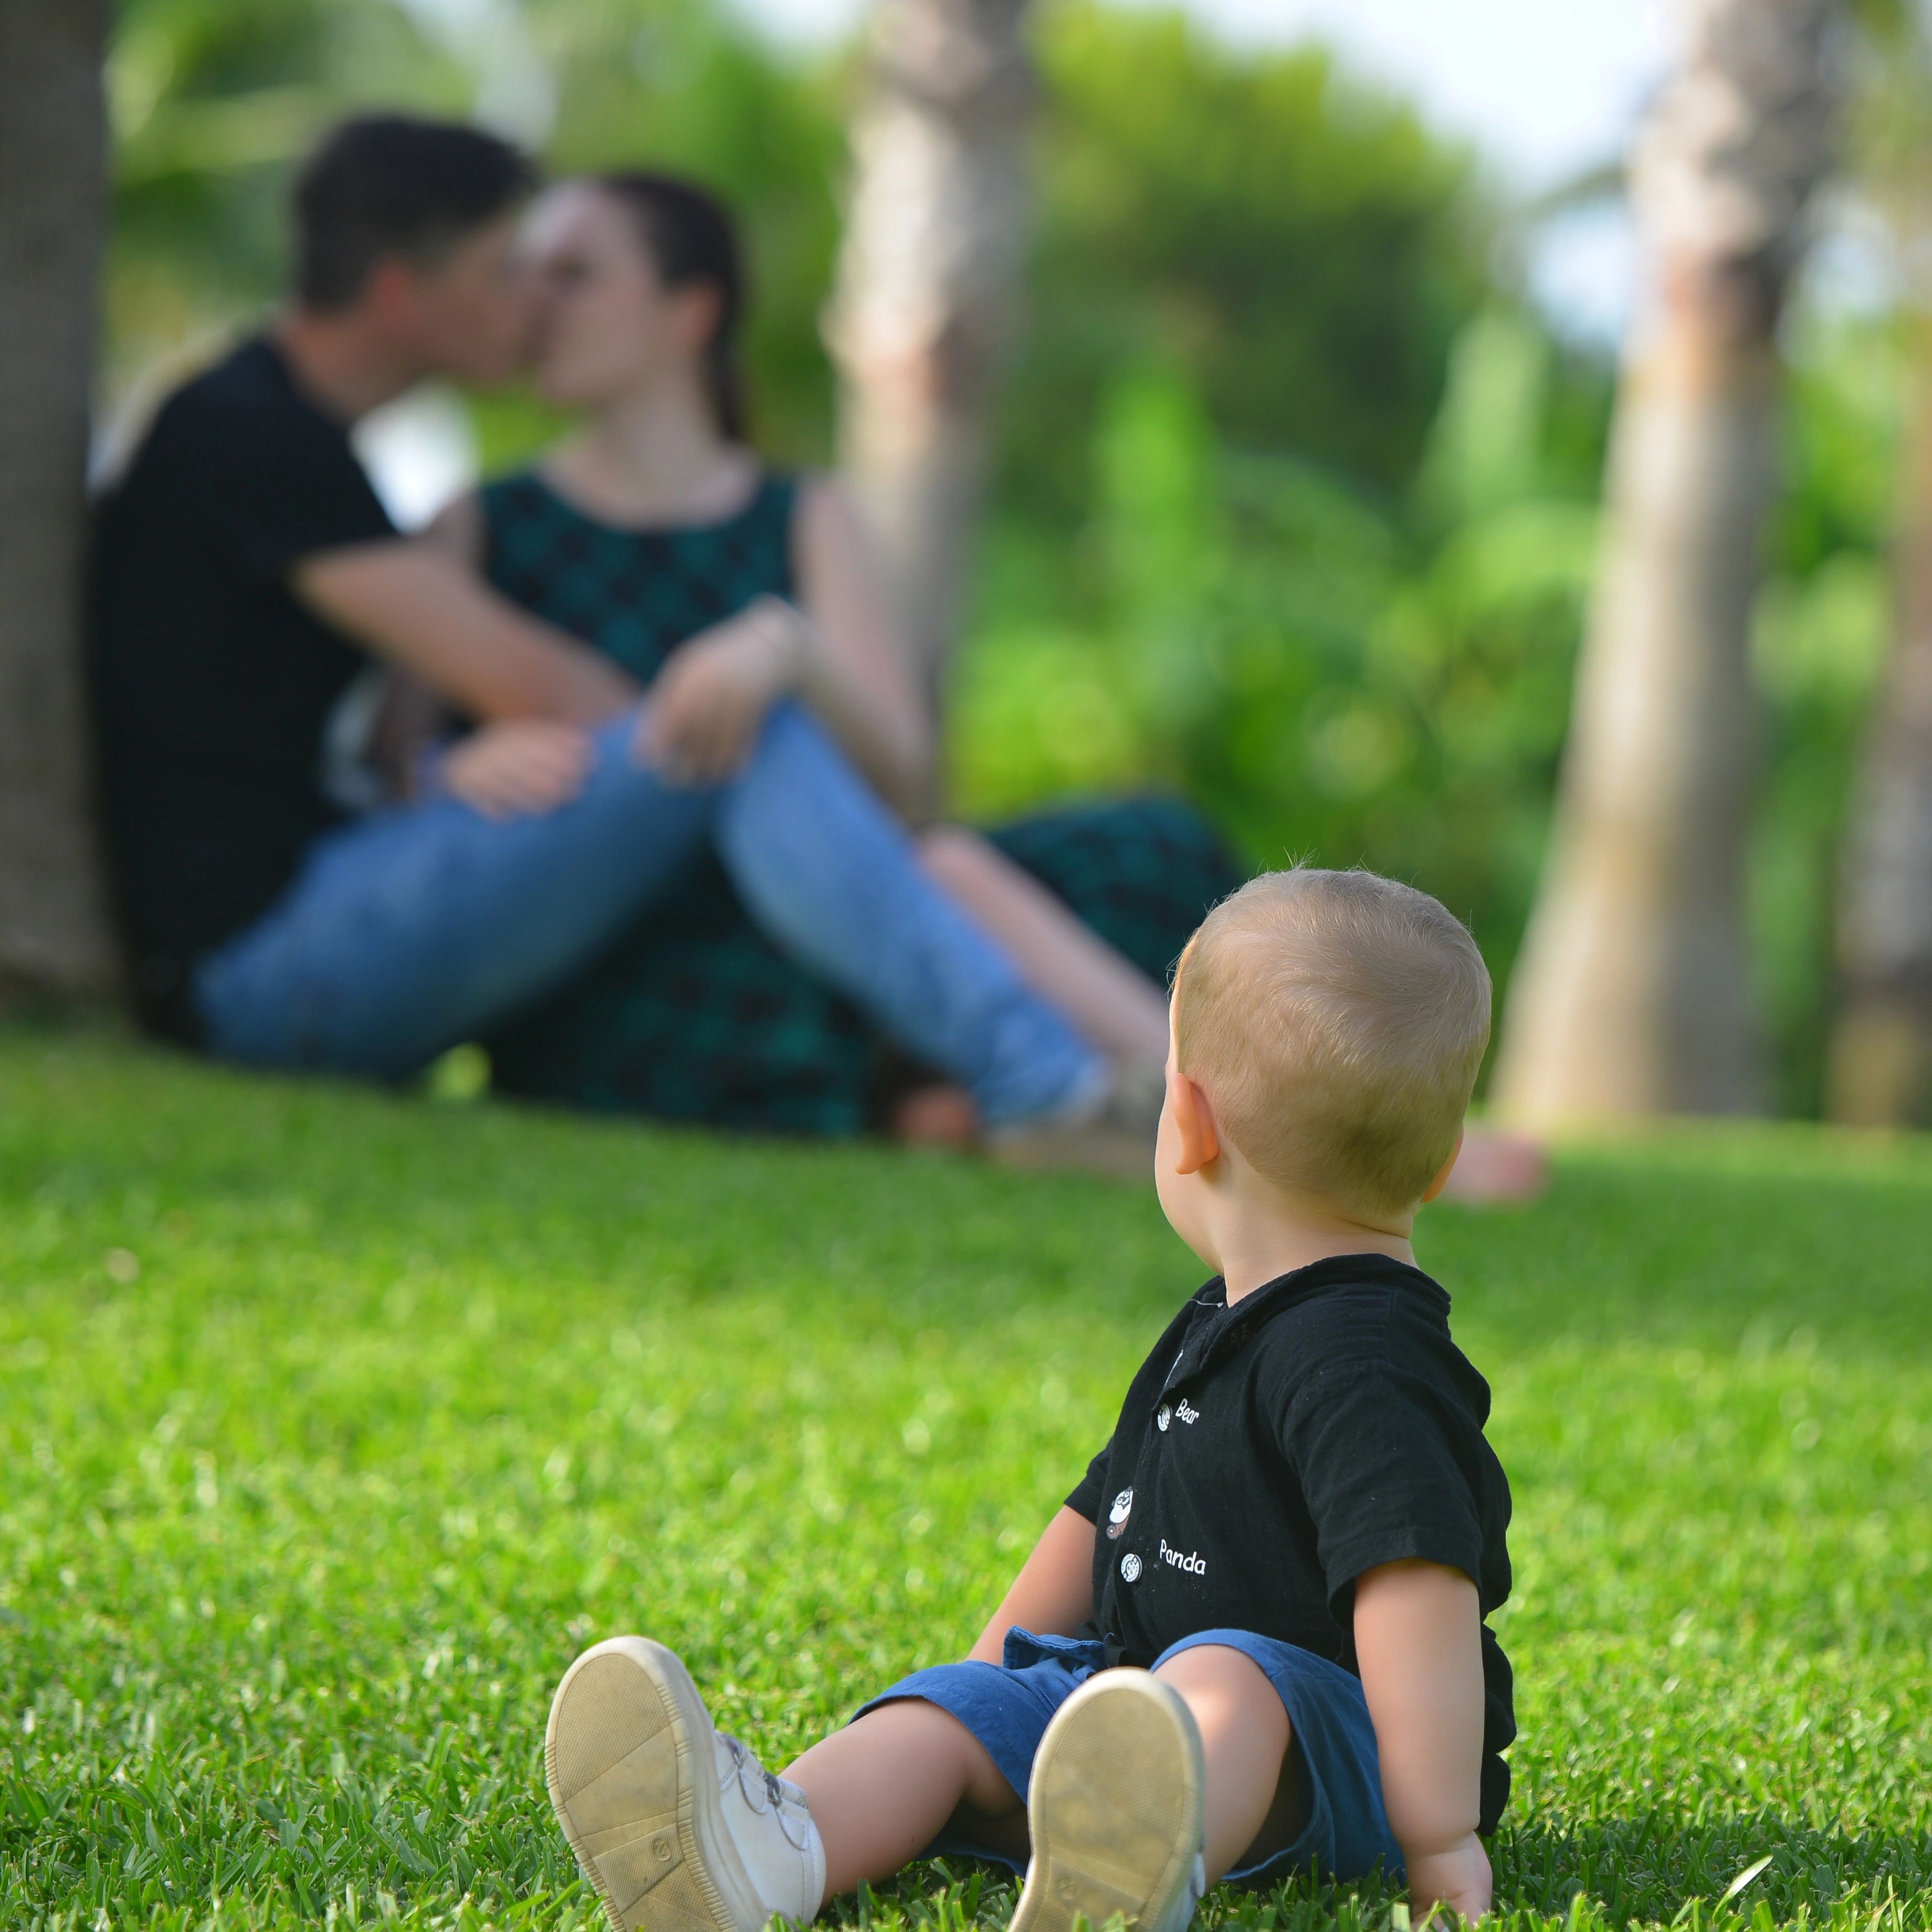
(1336, 1022)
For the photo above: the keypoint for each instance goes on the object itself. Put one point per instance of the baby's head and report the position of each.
(1335, 1022)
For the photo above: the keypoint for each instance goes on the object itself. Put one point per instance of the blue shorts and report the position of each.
(1008, 1707)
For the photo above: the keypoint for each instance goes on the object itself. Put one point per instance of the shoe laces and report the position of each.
(751, 1774)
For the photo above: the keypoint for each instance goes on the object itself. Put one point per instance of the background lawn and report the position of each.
(332, 1426)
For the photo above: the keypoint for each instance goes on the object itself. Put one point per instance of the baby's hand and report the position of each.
(527, 765)
(1458, 1877)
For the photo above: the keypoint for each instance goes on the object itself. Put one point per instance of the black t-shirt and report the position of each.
(212, 683)
(1269, 1453)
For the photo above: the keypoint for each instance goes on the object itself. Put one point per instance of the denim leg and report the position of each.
(833, 879)
(410, 930)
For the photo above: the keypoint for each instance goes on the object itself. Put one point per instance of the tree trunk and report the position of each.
(1631, 995)
(52, 206)
(933, 242)
(1881, 1058)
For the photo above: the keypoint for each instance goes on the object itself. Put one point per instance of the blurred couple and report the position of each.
(612, 766)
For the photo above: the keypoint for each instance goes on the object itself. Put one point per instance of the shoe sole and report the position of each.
(629, 1759)
(1115, 1806)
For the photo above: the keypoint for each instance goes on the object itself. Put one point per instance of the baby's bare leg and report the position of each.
(1251, 1798)
(881, 1789)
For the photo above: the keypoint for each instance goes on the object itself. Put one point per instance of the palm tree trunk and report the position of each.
(1631, 995)
(52, 205)
(932, 245)
(1881, 1058)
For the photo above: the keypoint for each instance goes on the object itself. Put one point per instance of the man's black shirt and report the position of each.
(1269, 1453)
(212, 683)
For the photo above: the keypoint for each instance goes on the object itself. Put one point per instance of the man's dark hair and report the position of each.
(390, 184)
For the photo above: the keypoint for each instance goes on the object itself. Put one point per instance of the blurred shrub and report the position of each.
(1333, 673)
(1297, 244)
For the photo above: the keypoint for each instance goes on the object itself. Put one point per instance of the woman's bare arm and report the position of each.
(1111, 1003)
(1053, 1594)
(853, 672)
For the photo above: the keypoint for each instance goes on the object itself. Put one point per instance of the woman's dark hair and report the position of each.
(392, 185)
(690, 236)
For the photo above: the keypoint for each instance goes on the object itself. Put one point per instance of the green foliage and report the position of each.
(1334, 674)
(1296, 243)
(331, 1425)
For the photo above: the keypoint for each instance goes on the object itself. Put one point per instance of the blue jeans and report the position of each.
(414, 929)
(1007, 1706)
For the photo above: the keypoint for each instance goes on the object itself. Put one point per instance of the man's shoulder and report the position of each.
(236, 448)
(243, 407)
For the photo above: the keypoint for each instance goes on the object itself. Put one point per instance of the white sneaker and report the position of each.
(1116, 1808)
(679, 1829)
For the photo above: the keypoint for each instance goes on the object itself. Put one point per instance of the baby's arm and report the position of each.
(1053, 1594)
(1418, 1644)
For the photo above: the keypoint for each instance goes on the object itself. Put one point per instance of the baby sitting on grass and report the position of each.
(1253, 1639)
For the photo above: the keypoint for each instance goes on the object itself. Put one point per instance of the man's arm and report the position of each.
(1418, 1644)
(416, 604)
(1053, 1594)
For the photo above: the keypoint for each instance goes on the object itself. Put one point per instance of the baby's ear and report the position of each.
(1199, 1140)
(1443, 1173)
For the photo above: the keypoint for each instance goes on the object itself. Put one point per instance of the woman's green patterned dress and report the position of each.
(693, 1014)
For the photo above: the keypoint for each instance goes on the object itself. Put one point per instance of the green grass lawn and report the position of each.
(333, 1426)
